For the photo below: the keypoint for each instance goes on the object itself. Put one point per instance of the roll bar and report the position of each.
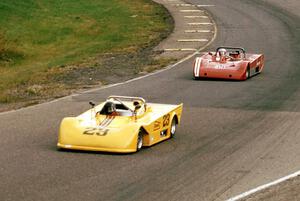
(232, 48)
(130, 98)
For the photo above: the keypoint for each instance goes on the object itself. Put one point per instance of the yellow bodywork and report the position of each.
(95, 132)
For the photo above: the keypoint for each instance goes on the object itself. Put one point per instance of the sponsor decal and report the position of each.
(156, 125)
(108, 119)
(166, 120)
(220, 66)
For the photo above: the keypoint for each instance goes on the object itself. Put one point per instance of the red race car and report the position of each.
(228, 63)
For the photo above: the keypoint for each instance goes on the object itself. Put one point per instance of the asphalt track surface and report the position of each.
(233, 137)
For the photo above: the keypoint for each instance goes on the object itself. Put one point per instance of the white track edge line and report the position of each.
(128, 81)
(265, 186)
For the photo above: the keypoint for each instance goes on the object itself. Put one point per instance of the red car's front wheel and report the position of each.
(247, 73)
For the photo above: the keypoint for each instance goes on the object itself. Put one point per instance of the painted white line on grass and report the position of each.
(199, 23)
(192, 40)
(191, 11)
(197, 31)
(265, 186)
(174, 1)
(205, 5)
(196, 16)
(185, 5)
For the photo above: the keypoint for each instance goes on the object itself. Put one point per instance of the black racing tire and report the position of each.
(59, 149)
(257, 69)
(173, 128)
(248, 74)
(139, 143)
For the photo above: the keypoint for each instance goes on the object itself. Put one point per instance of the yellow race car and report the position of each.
(120, 124)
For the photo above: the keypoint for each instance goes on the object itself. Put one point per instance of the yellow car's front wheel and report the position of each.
(139, 144)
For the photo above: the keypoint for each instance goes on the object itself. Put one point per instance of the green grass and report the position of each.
(38, 36)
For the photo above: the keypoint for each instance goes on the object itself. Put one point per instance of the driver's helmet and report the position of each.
(110, 107)
(222, 52)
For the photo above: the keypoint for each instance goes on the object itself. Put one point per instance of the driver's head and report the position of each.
(110, 107)
(222, 52)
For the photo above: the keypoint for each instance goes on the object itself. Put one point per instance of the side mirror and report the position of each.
(136, 105)
(92, 104)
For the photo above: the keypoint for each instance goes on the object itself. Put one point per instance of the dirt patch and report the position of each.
(65, 80)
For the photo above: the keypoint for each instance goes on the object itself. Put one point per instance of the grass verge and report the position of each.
(48, 49)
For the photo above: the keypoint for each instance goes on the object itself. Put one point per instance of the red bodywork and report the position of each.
(236, 64)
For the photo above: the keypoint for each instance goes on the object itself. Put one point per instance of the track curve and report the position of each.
(234, 135)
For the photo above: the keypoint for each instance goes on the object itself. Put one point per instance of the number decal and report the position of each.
(220, 66)
(166, 120)
(95, 131)
(89, 131)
